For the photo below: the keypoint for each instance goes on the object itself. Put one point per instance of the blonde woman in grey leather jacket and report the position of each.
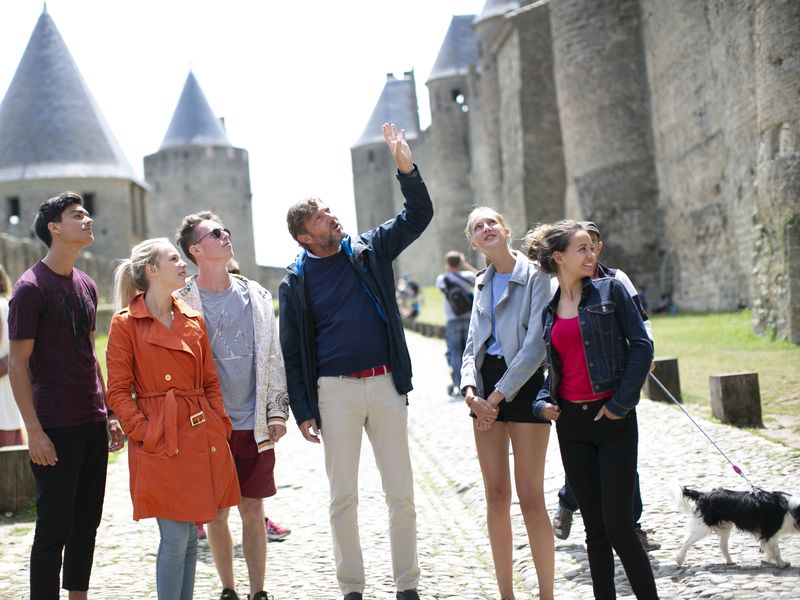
(502, 370)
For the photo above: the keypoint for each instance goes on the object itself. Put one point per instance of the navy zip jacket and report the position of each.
(617, 349)
(371, 255)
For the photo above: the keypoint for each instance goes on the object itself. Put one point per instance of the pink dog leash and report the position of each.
(736, 469)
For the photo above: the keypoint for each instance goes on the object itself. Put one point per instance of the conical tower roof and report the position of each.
(398, 105)
(193, 122)
(50, 125)
(495, 8)
(459, 49)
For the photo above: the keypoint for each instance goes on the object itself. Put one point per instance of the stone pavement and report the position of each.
(454, 552)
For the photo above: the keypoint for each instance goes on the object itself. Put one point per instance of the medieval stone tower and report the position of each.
(377, 193)
(448, 137)
(53, 137)
(197, 168)
(674, 125)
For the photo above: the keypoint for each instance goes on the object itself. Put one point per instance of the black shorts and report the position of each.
(520, 409)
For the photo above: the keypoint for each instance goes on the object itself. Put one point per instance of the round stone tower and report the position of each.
(449, 135)
(777, 268)
(486, 155)
(197, 169)
(53, 138)
(602, 99)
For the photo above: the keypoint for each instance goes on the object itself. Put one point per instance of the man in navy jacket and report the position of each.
(347, 364)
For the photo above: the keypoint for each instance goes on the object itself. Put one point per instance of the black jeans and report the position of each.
(566, 498)
(600, 463)
(69, 506)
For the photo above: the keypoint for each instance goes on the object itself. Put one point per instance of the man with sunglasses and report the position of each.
(347, 364)
(243, 334)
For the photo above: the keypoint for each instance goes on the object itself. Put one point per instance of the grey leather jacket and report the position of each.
(518, 317)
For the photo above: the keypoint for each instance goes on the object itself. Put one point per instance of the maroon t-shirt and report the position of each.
(59, 313)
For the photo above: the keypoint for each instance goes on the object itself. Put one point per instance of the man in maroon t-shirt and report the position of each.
(60, 393)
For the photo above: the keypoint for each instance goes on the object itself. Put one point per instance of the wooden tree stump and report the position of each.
(17, 486)
(667, 372)
(735, 398)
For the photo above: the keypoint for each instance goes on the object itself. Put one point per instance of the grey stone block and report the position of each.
(17, 486)
(735, 398)
(667, 373)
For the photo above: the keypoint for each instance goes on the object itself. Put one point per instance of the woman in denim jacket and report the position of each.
(598, 355)
(501, 372)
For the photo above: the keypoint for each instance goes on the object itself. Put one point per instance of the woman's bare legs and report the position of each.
(529, 442)
(492, 446)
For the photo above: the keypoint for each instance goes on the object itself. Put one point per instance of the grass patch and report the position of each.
(100, 343)
(113, 457)
(707, 344)
(431, 308)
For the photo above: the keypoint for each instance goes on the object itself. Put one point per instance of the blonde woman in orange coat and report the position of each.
(162, 383)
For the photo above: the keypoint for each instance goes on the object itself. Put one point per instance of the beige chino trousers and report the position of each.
(347, 407)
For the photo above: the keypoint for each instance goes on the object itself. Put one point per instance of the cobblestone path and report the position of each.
(454, 552)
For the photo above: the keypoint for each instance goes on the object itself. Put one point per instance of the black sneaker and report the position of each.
(408, 595)
(562, 522)
(647, 543)
(261, 596)
(353, 596)
(229, 594)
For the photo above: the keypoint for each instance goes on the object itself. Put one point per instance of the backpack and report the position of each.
(460, 300)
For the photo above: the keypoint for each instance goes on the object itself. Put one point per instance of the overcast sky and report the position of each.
(296, 81)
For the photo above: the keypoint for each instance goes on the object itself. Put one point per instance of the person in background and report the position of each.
(456, 284)
(409, 297)
(347, 364)
(502, 370)
(598, 355)
(567, 505)
(275, 531)
(240, 317)
(60, 393)
(10, 419)
(163, 384)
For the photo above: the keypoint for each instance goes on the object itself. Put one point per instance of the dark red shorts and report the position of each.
(11, 437)
(255, 469)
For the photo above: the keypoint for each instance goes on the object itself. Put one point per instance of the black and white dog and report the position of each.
(767, 515)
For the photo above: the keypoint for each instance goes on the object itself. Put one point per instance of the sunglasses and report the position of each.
(216, 232)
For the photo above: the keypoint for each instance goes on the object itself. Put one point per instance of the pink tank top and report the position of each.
(575, 385)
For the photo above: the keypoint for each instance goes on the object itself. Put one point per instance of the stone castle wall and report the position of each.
(118, 209)
(530, 133)
(776, 273)
(674, 125)
(19, 254)
(603, 106)
(702, 89)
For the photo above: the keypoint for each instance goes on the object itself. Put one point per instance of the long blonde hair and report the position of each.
(129, 277)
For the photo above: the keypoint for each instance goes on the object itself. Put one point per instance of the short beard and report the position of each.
(331, 241)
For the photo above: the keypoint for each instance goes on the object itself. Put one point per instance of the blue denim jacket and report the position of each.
(617, 349)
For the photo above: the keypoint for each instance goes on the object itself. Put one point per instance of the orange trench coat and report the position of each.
(181, 466)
